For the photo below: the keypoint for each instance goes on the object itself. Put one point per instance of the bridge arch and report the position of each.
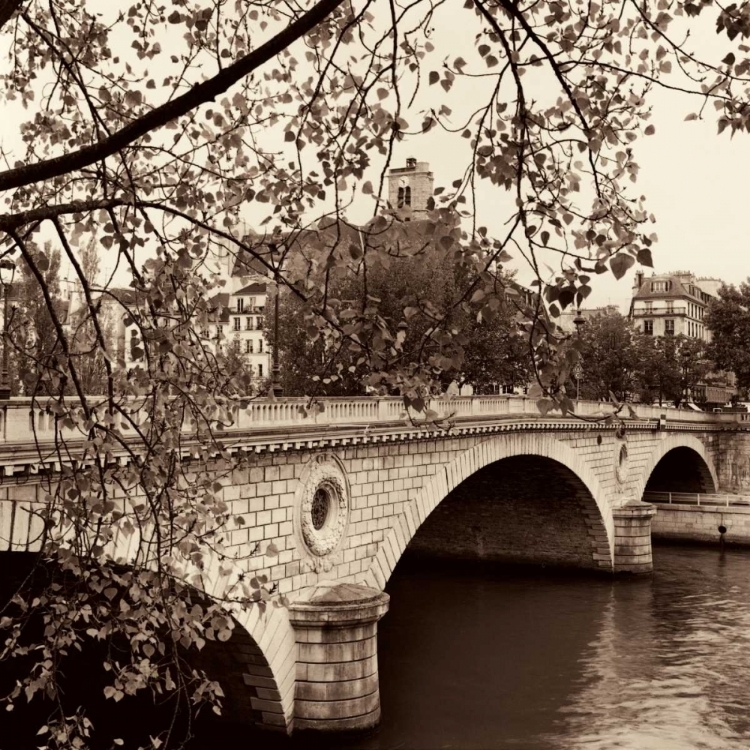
(679, 446)
(258, 662)
(438, 486)
(256, 666)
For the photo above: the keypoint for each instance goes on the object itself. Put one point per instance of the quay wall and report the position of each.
(700, 523)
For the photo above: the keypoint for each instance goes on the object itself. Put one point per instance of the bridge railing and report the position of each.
(22, 421)
(696, 498)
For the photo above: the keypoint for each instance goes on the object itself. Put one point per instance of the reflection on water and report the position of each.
(668, 666)
(476, 656)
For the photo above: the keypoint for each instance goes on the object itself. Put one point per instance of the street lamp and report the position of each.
(7, 272)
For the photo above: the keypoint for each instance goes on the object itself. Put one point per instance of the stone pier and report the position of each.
(336, 628)
(633, 538)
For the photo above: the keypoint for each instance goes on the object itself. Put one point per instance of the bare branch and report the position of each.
(198, 94)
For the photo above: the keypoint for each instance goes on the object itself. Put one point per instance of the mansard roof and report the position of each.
(251, 289)
(680, 286)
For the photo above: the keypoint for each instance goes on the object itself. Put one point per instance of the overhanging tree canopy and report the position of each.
(152, 128)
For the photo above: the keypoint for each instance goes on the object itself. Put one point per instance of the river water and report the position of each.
(483, 657)
(480, 656)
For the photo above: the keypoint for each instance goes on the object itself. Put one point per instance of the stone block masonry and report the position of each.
(337, 668)
(701, 523)
(633, 538)
(523, 509)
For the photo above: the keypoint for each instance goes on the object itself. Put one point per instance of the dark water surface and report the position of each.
(478, 656)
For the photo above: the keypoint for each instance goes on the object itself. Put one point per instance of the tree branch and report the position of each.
(9, 222)
(156, 118)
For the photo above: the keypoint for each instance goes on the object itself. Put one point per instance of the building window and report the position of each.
(648, 327)
(260, 371)
(669, 327)
(248, 346)
(661, 286)
(237, 324)
(670, 307)
(404, 196)
(260, 346)
(248, 324)
(240, 304)
(261, 323)
(219, 332)
(204, 333)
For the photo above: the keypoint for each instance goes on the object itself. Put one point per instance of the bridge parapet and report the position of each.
(23, 421)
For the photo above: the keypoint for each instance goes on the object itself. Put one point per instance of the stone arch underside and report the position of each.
(256, 667)
(521, 509)
(589, 496)
(258, 664)
(680, 463)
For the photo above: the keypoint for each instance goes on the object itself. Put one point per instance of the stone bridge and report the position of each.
(345, 494)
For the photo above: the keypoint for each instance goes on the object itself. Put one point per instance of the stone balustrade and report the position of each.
(25, 422)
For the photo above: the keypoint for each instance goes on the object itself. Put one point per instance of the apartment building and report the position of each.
(672, 304)
(675, 304)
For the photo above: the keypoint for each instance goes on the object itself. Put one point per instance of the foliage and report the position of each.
(660, 377)
(303, 358)
(84, 345)
(497, 353)
(618, 360)
(236, 372)
(609, 357)
(32, 338)
(728, 319)
(150, 129)
(694, 366)
(414, 283)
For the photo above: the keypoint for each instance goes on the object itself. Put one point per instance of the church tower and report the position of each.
(409, 189)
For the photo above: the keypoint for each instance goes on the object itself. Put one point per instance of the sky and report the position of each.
(694, 181)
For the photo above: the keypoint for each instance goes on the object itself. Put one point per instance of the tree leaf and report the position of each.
(620, 264)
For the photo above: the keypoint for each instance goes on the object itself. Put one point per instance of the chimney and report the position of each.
(638, 282)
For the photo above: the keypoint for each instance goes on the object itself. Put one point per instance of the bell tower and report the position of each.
(409, 189)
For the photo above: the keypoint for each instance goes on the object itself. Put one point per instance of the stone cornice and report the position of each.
(29, 458)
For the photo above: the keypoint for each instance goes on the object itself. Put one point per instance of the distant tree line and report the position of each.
(729, 321)
(618, 359)
(410, 294)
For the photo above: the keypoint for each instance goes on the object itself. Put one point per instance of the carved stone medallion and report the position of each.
(323, 510)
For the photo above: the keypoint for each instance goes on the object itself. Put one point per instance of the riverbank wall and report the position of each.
(701, 523)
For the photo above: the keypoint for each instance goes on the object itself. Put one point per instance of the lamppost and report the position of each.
(276, 388)
(7, 272)
(578, 374)
(578, 321)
